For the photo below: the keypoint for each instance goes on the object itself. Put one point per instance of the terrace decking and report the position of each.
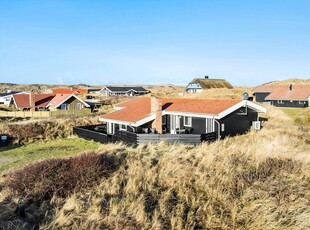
(89, 132)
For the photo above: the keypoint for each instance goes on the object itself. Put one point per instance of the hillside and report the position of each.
(295, 81)
(168, 89)
(253, 181)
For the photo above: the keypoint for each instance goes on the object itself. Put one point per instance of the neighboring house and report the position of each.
(283, 95)
(199, 84)
(184, 116)
(48, 102)
(5, 98)
(123, 91)
(93, 91)
(69, 91)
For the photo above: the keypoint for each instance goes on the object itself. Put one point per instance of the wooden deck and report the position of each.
(134, 139)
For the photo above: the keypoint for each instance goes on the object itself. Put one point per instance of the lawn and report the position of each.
(300, 116)
(17, 156)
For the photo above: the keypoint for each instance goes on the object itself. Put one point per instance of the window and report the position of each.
(122, 127)
(280, 101)
(164, 120)
(78, 106)
(187, 121)
(110, 128)
(64, 107)
(222, 127)
(301, 102)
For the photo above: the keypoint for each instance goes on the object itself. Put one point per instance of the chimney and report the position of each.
(206, 77)
(156, 108)
(291, 87)
(32, 102)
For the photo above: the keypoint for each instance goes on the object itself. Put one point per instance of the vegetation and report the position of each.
(256, 180)
(60, 177)
(52, 129)
(17, 156)
(295, 81)
(299, 116)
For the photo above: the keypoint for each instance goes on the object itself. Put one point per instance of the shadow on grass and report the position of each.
(37, 184)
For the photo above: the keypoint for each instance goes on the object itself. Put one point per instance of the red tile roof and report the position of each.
(282, 92)
(138, 109)
(68, 91)
(54, 103)
(41, 100)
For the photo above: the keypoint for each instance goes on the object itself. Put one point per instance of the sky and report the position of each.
(247, 42)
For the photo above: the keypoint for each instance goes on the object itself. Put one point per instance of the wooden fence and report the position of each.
(43, 114)
(88, 133)
(135, 139)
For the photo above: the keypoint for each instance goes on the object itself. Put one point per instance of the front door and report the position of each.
(175, 123)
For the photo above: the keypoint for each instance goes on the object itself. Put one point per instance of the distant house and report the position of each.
(283, 95)
(5, 98)
(48, 102)
(111, 91)
(69, 91)
(182, 116)
(199, 84)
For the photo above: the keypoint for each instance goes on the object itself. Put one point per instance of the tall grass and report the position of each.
(258, 180)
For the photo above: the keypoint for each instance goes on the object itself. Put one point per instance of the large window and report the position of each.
(64, 106)
(122, 127)
(187, 121)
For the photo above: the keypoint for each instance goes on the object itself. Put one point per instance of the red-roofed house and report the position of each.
(48, 102)
(183, 116)
(283, 95)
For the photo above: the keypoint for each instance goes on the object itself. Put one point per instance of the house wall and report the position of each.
(199, 125)
(260, 97)
(193, 88)
(104, 91)
(294, 104)
(238, 124)
(72, 102)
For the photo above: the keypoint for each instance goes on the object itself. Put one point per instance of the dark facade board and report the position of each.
(294, 104)
(199, 125)
(235, 123)
(260, 97)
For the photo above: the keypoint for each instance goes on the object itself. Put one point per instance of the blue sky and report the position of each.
(155, 41)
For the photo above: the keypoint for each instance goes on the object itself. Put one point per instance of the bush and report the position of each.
(60, 177)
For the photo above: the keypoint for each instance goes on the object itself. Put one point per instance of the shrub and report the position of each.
(60, 177)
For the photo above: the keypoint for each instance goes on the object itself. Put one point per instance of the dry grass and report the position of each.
(258, 180)
(46, 130)
(291, 81)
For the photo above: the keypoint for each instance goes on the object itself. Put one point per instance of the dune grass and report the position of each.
(259, 180)
(299, 116)
(17, 156)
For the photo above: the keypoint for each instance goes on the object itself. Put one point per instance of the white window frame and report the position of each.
(64, 106)
(78, 105)
(110, 128)
(301, 102)
(280, 102)
(189, 124)
(222, 127)
(121, 127)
